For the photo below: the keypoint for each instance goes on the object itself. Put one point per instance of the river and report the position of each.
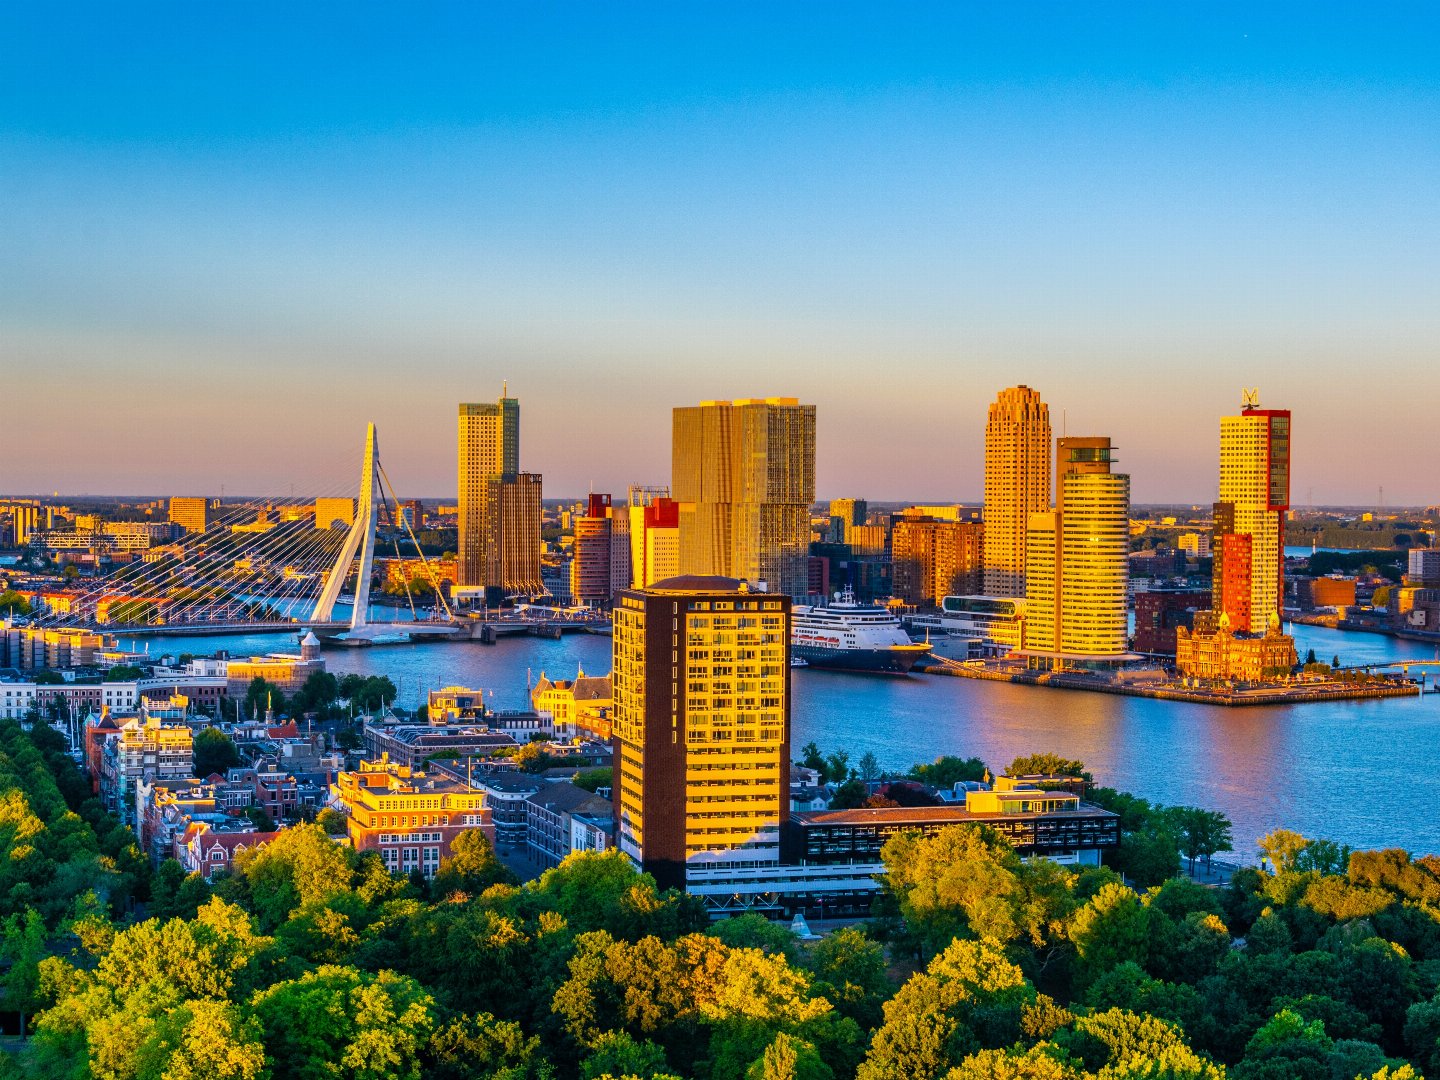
(1358, 772)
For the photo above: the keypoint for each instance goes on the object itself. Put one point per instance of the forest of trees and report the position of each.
(313, 962)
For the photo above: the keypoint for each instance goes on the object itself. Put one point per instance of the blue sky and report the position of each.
(234, 233)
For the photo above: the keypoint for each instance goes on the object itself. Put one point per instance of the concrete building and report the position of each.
(934, 558)
(1017, 484)
(1423, 568)
(410, 817)
(152, 746)
(1077, 560)
(654, 540)
(499, 513)
(1160, 612)
(551, 818)
(600, 566)
(334, 513)
(287, 672)
(410, 744)
(701, 731)
(1249, 539)
(744, 474)
(191, 513)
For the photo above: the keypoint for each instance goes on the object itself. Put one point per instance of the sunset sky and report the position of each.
(231, 234)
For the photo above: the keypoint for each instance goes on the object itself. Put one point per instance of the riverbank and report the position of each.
(1222, 696)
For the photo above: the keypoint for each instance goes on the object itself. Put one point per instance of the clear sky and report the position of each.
(231, 233)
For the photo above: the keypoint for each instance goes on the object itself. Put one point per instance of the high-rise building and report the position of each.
(1017, 484)
(600, 566)
(702, 731)
(934, 559)
(744, 474)
(499, 513)
(654, 536)
(1077, 559)
(330, 513)
(191, 513)
(1249, 539)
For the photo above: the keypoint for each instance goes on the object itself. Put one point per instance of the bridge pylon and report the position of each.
(361, 538)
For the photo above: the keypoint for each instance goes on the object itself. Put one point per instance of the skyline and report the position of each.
(1137, 212)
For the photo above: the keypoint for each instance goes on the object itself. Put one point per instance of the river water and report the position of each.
(1361, 772)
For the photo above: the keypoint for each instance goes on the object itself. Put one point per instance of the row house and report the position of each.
(207, 850)
(560, 814)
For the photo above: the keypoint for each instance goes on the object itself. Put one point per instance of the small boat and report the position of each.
(799, 661)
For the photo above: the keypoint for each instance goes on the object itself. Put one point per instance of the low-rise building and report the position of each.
(410, 817)
(506, 796)
(286, 672)
(551, 814)
(207, 849)
(412, 744)
(578, 707)
(1213, 651)
(1160, 612)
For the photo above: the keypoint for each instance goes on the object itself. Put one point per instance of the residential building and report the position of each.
(1249, 538)
(507, 794)
(1423, 568)
(191, 513)
(151, 746)
(934, 558)
(701, 730)
(744, 474)
(550, 820)
(578, 707)
(1017, 484)
(1195, 545)
(1160, 612)
(1077, 561)
(1216, 650)
(411, 745)
(410, 817)
(600, 566)
(207, 849)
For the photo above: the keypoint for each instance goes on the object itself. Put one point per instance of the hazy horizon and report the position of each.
(236, 235)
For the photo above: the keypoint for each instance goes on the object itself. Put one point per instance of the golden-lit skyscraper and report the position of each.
(744, 474)
(934, 559)
(1249, 542)
(191, 513)
(701, 731)
(1017, 484)
(1078, 558)
(499, 507)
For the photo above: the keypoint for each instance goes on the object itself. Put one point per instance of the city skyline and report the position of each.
(1137, 212)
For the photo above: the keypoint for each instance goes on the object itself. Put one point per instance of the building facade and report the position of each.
(701, 730)
(744, 474)
(499, 515)
(934, 559)
(654, 537)
(1017, 485)
(190, 512)
(1214, 650)
(1249, 537)
(1160, 612)
(601, 562)
(1077, 559)
(410, 817)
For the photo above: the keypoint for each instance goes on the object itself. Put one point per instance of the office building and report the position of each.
(1159, 613)
(654, 541)
(1249, 538)
(499, 508)
(24, 521)
(701, 731)
(334, 513)
(1077, 560)
(1423, 568)
(744, 474)
(1017, 484)
(934, 559)
(190, 513)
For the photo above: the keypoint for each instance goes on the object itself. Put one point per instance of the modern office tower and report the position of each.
(934, 559)
(190, 513)
(1017, 484)
(702, 731)
(654, 536)
(333, 513)
(744, 474)
(600, 563)
(1077, 559)
(844, 514)
(1249, 543)
(500, 507)
(512, 542)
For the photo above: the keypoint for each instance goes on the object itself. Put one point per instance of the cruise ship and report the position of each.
(852, 637)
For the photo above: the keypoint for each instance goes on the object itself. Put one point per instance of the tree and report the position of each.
(1047, 765)
(849, 795)
(1201, 832)
(124, 673)
(1109, 930)
(214, 752)
(1281, 849)
(837, 766)
(332, 821)
(869, 767)
(261, 697)
(615, 1053)
(12, 603)
(594, 779)
(946, 771)
(789, 1058)
(850, 970)
(23, 946)
(260, 818)
(1310, 657)
(472, 866)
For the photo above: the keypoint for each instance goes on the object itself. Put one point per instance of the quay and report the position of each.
(1221, 696)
